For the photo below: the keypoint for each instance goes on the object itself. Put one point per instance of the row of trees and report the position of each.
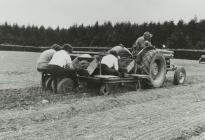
(182, 35)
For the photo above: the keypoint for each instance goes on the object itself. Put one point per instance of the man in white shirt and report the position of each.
(61, 63)
(46, 56)
(61, 59)
(109, 64)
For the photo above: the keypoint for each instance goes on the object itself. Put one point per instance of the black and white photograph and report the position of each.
(102, 70)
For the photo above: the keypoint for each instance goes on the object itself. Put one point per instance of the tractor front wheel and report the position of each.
(179, 76)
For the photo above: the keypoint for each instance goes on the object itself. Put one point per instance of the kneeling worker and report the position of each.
(109, 64)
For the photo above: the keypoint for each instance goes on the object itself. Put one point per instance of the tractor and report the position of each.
(146, 68)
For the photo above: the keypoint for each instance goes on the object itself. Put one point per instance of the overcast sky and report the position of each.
(65, 13)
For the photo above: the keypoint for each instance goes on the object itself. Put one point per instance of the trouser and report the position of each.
(42, 70)
(44, 73)
(42, 67)
(109, 71)
(58, 71)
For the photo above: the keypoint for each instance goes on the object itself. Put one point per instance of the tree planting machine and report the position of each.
(147, 68)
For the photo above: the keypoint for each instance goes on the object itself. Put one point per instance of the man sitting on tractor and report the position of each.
(109, 64)
(46, 56)
(142, 42)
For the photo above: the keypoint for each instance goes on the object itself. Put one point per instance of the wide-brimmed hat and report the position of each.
(147, 34)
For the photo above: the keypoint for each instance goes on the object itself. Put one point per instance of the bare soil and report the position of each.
(171, 112)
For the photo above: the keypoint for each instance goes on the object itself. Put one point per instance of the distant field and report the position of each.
(17, 69)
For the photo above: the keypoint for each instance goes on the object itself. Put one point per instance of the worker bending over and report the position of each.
(121, 50)
(109, 64)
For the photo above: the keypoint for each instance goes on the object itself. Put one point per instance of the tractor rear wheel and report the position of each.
(65, 86)
(153, 64)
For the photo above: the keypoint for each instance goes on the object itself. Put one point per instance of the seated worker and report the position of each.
(121, 50)
(61, 61)
(46, 56)
(142, 42)
(61, 64)
(109, 64)
(81, 65)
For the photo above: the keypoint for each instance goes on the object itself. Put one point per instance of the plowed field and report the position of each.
(167, 113)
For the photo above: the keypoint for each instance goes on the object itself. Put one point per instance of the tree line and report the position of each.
(179, 35)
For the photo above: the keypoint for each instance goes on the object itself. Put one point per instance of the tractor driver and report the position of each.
(109, 64)
(142, 42)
